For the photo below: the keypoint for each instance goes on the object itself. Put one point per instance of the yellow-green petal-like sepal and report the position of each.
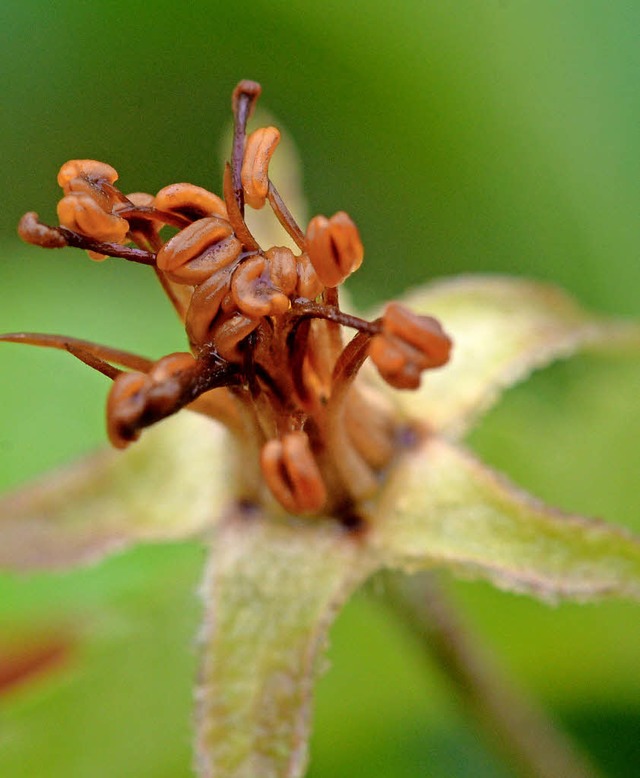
(167, 486)
(442, 508)
(271, 591)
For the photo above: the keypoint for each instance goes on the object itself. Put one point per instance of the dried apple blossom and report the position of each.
(335, 476)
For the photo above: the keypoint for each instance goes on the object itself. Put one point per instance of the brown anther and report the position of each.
(308, 285)
(283, 269)
(423, 332)
(172, 365)
(254, 291)
(408, 344)
(197, 251)
(247, 90)
(259, 149)
(81, 213)
(89, 169)
(31, 230)
(334, 247)
(125, 405)
(228, 334)
(204, 306)
(292, 474)
(191, 201)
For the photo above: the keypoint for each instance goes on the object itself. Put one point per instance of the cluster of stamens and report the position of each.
(264, 326)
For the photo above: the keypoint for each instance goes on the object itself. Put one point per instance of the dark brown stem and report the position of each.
(76, 346)
(149, 213)
(244, 98)
(110, 249)
(285, 217)
(304, 309)
(517, 729)
(348, 365)
(235, 213)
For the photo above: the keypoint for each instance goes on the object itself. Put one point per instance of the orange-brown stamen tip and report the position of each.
(262, 321)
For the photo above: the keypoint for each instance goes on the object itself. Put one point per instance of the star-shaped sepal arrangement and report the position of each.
(310, 461)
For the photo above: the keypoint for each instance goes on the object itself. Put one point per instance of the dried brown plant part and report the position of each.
(292, 474)
(190, 201)
(34, 657)
(254, 291)
(33, 231)
(334, 247)
(235, 213)
(229, 334)
(199, 250)
(357, 476)
(309, 286)
(78, 346)
(408, 345)
(260, 147)
(82, 214)
(89, 169)
(285, 217)
(138, 400)
(243, 101)
(204, 307)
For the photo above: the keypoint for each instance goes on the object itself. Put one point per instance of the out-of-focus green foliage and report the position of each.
(486, 135)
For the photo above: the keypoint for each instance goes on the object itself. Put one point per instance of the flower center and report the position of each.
(267, 353)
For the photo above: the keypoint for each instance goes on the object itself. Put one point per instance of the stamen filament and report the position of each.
(244, 98)
(76, 345)
(285, 217)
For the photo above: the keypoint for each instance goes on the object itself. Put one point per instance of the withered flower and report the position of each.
(331, 475)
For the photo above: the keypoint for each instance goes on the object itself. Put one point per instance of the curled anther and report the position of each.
(137, 400)
(191, 201)
(32, 230)
(81, 213)
(89, 169)
(259, 149)
(204, 247)
(230, 332)
(308, 285)
(292, 474)
(125, 405)
(334, 247)
(254, 290)
(204, 306)
(408, 344)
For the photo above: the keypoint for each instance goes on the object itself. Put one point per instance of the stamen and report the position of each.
(190, 201)
(291, 472)
(334, 247)
(263, 323)
(32, 230)
(254, 291)
(82, 214)
(235, 213)
(285, 217)
(243, 100)
(77, 345)
(199, 250)
(260, 146)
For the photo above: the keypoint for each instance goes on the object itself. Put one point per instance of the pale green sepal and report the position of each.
(503, 328)
(271, 590)
(168, 485)
(443, 508)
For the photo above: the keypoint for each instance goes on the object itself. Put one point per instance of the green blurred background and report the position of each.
(486, 136)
